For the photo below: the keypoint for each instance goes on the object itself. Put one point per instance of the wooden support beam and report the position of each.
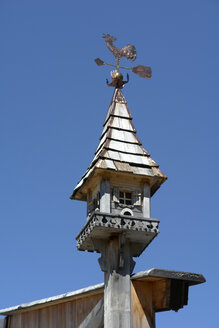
(105, 196)
(117, 264)
(143, 314)
(95, 318)
(147, 201)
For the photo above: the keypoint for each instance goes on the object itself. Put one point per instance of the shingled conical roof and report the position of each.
(120, 150)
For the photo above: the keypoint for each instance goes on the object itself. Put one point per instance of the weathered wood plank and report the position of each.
(119, 123)
(3, 322)
(123, 166)
(147, 201)
(122, 110)
(65, 315)
(142, 301)
(16, 321)
(125, 147)
(123, 136)
(116, 261)
(128, 158)
(95, 318)
(110, 164)
(105, 196)
(118, 109)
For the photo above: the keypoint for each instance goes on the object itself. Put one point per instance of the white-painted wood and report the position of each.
(147, 201)
(105, 196)
(137, 195)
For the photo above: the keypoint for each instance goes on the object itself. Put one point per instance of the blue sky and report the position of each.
(53, 103)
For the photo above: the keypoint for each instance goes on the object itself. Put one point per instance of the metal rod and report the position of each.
(118, 66)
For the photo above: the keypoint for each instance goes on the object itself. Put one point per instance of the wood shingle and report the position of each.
(120, 149)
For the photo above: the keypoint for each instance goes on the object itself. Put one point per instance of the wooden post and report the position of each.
(117, 264)
(147, 201)
(105, 196)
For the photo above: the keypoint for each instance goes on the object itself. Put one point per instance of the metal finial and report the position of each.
(129, 51)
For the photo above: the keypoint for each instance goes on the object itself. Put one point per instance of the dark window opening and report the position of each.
(127, 213)
(125, 198)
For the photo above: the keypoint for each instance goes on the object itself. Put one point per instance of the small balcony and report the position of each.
(102, 226)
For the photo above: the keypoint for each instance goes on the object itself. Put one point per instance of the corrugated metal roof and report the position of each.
(119, 148)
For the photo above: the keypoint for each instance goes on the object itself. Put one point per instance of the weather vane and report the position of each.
(129, 51)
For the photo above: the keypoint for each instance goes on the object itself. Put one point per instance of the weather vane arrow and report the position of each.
(129, 51)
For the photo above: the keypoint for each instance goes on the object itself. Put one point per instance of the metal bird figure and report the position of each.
(129, 51)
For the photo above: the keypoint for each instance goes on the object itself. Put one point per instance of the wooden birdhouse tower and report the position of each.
(118, 187)
(119, 184)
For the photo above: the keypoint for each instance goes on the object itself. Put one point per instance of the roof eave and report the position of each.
(79, 194)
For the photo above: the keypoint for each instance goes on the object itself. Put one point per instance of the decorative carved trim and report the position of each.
(120, 223)
(127, 210)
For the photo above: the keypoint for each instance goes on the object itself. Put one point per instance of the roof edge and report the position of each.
(190, 277)
(67, 295)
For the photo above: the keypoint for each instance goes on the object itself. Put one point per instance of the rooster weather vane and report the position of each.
(129, 51)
